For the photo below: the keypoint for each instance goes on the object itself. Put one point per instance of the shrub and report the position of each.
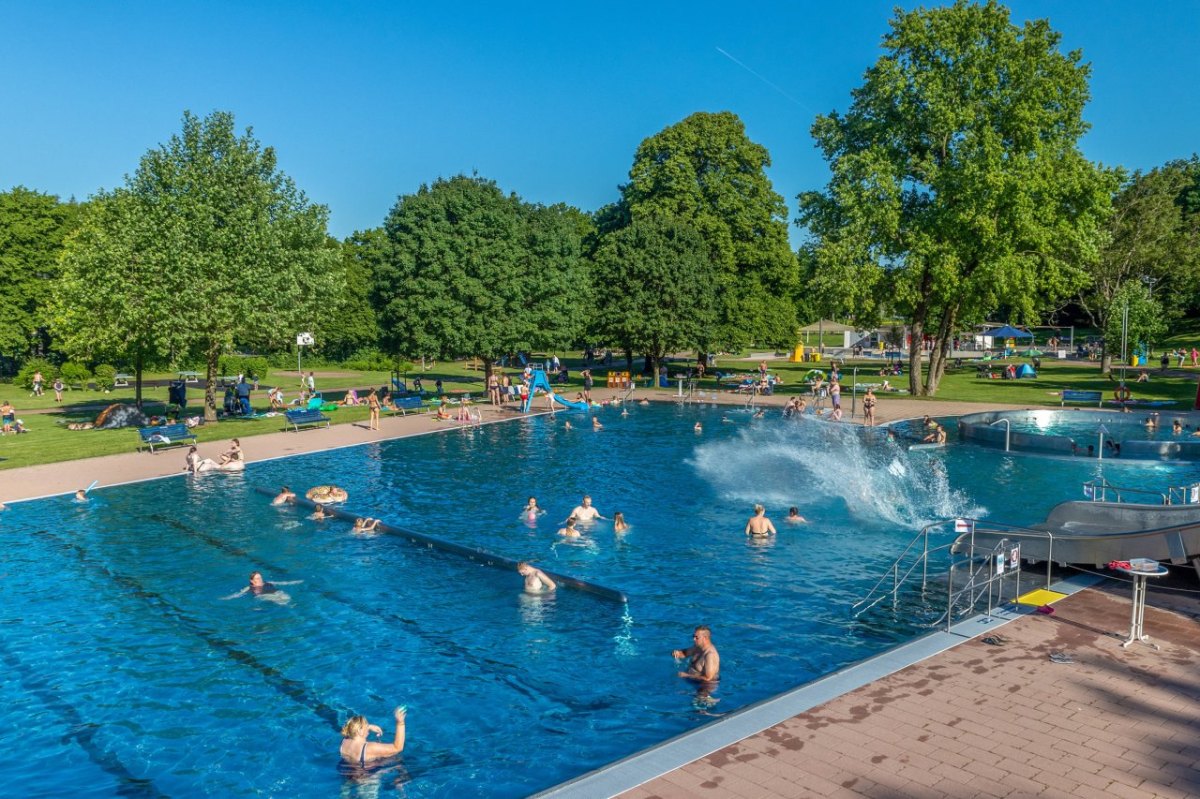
(32, 367)
(105, 376)
(73, 373)
(252, 366)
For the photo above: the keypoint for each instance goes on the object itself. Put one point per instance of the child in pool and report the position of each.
(531, 510)
(794, 516)
(619, 523)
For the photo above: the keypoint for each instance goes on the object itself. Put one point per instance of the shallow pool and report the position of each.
(128, 673)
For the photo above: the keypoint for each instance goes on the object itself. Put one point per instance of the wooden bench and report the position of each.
(402, 405)
(168, 435)
(1071, 395)
(302, 417)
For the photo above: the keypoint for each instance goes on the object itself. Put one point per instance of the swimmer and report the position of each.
(596, 423)
(320, 514)
(367, 525)
(698, 428)
(567, 425)
(794, 516)
(285, 495)
(619, 523)
(569, 531)
(644, 402)
(531, 508)
(585, 511)
(1177, 427)
(261, 589)
(536, 580)
(357, 750)
(760, 413)
(726, 420)
(624, 412)
(704, 662)
(81, 495)
(759, 526)
(937, 433)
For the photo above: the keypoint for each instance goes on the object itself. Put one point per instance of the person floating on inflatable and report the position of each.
(327, 495)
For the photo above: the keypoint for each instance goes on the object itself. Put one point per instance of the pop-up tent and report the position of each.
(1026, 371)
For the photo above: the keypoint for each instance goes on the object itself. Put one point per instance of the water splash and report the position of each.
(810, 463)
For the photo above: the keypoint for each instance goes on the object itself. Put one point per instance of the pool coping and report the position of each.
(633, 770)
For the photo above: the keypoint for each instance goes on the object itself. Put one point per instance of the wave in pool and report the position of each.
(811, 463)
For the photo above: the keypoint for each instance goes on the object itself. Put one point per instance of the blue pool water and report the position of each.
(1084, 427)
(128, 674)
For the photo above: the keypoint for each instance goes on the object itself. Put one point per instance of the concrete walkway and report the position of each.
(991, 721)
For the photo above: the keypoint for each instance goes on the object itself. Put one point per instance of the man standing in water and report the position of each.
(536, 580)
(759, 525)
(704, 664)
(586, 512)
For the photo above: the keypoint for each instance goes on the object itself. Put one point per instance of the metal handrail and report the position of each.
(1101, 487)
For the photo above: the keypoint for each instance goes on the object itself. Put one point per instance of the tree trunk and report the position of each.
(137, 380)
(652, 362)
(941, 349)
(916, 348)
(210, 385)
(629, 360)
(487, 369)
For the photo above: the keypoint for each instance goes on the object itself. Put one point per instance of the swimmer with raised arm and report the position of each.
(536, 580)
(759, 526)
(585, 511)
(704, 662)
(367, 525)
(285, 495)
(358, 751)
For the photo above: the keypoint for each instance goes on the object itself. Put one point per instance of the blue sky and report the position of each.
(366, 101)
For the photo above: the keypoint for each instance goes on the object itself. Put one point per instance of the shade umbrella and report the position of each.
(1008, 331)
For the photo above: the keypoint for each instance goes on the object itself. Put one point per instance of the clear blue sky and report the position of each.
(366, 101)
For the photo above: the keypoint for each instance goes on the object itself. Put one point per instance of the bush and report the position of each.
(370, 359)
(105, 376)
(32, 367)
(73, 373)
(252, 366)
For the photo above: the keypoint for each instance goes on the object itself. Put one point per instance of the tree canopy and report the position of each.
(957, 184)
(33, 227)
(704, 171)
(659, 288)
(234, 251)
(470, 271)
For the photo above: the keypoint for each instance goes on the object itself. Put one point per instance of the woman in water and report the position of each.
(358, 751)
(619, 523)
(261, 589)
(367, 525)
(596, 423)
(531, 510)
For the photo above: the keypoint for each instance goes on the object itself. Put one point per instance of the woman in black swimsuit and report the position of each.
(357, 750)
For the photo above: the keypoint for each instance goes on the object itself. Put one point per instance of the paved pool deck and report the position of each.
(980, 720)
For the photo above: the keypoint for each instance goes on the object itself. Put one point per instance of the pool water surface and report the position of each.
(129, 672)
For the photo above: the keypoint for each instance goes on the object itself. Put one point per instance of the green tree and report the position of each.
(706, 172)
(252, 248)
(470, 271)
(1152, 237)
(33, 227)
(1146, 321)
(957, 183)
(349, 324)
(659, 288)
(119, 296)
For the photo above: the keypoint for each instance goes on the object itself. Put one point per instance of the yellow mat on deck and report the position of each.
(1040, 597)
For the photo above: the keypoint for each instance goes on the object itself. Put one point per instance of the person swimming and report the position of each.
(570, 530)
(794, 516)
(81, 495)
(367, 525)
(596, 423)
(285, 495)
(619, 523)
(320, 514)
(567, 424)
(699, 428)
(531, 510)
(261, 589)
(356, 750)
(536, 580)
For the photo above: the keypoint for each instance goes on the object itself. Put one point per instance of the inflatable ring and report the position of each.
(1122, 394)
(813, 374)
(327, 494)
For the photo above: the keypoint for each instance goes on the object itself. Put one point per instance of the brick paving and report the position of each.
(991, 721)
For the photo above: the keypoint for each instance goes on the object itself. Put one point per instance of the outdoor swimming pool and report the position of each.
(1142, 434)
(127, 674)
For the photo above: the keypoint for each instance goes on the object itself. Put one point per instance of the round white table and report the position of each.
(1138, 617)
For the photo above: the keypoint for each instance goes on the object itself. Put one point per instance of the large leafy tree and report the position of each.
(957, 183)
(33, 227)
(119, 295)
(1135, 313)
(659, 288)
(470, 271)
(247, 252)
(1153, 237)
(349, 324)
(704, 171)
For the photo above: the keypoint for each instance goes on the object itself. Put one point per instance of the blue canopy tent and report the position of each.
(1008, 331)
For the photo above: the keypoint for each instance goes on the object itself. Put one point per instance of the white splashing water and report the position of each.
(813, 463)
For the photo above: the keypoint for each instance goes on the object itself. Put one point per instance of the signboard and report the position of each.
(304, 339)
